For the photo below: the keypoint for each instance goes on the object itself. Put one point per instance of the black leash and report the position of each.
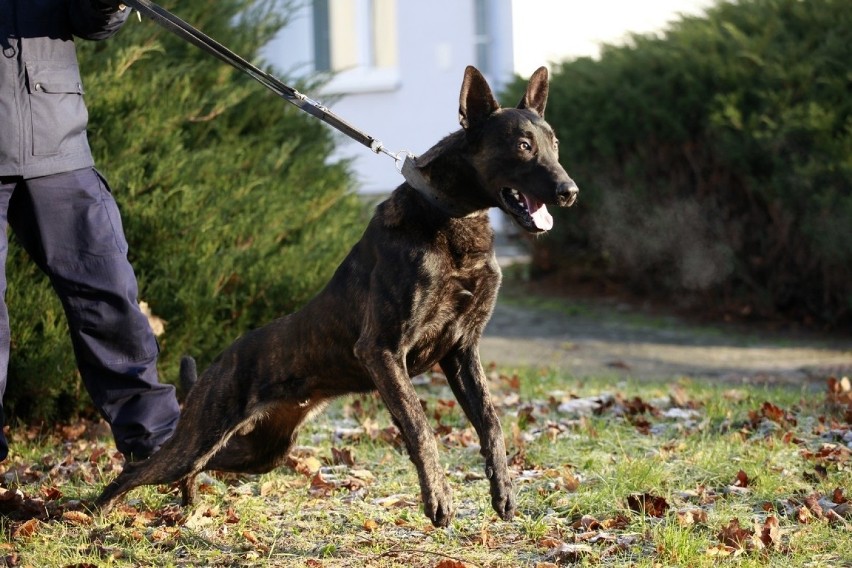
(194, 36)
(405, 161)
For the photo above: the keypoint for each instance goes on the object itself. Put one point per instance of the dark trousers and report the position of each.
(70, 226)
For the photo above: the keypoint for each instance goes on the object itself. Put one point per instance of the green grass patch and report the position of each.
(607, 472)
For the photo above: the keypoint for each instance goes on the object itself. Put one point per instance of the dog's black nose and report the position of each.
(566, 193)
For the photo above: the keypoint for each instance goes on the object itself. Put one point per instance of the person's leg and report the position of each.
(79, 243)
(7, 186)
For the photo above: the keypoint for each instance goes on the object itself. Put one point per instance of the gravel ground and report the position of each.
(594, 337)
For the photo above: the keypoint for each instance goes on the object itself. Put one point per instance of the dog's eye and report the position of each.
(524, 146)
(555, 143)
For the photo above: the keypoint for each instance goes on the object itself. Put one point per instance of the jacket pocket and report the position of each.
(58, 113)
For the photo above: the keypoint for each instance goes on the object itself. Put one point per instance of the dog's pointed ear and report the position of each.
(535, 99)
(476, 102)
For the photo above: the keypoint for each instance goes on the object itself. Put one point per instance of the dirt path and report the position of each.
(595, 338)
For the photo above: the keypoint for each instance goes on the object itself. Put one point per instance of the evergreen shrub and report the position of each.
(233, 212)
(714, 160)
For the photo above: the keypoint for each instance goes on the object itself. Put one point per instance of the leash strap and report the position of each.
(194, 36)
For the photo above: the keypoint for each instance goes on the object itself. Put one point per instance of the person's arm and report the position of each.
(96, 19)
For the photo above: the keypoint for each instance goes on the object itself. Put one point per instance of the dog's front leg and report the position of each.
(394, 386)
(467, 379)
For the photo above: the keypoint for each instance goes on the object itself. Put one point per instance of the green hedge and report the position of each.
(232, 212)
(715, 160)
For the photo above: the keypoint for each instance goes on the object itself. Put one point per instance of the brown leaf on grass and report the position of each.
(460, 438)
(370, 525)
(510, 382)
(525, 416)
(840, 391)
(741, 480)
(76, 518)
(50, 493)
(769, 534)
(790, 437)
(249, 536)
(774, 413)
(722, 550)
(819, 474)
(812, 503)
(14, 504)
(803, 515)
(72, 432)
(734, 535)
(571, 553)
(307, 465)
(97, 454)
(588, 523)
(26, 529)
(231, 516)
(617, 522)
(550, 542)
(636, 406)
(829, 453)
(689, 517)
(648, 505)
(837, 496)
(642, 425)
(450, 563)
(396, 501)
(320, 487)
(343, 456)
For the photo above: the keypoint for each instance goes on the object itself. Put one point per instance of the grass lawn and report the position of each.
(610, 473)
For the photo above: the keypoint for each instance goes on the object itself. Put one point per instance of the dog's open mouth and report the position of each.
(530, 213)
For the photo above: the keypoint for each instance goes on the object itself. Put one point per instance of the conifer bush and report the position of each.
(233, 213)
(715, 160)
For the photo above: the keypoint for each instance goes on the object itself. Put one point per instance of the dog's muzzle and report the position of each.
(566, 193)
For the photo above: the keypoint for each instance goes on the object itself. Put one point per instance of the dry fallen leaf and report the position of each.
(769, 534)
(741, 480)
(450, 563)
(734, 535)
(647, 504)
(343, 456)
(26, 529)
(76, 518)
(689, 517)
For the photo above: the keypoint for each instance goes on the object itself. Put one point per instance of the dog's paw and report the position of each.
(438, 506)
(504, 503)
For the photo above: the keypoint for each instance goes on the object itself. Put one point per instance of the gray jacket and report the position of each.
(42, 114)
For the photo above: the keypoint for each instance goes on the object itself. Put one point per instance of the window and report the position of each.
(356, 40)
(482, 38)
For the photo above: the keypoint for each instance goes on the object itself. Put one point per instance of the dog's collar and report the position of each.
(416, 180)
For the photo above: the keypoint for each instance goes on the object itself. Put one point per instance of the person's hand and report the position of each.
(109, 3)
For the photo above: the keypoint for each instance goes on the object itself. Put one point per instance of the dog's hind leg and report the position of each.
(468, 382)
(181, 458)
(263, 445)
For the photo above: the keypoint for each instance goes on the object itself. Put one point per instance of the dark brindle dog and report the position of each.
(416, 290)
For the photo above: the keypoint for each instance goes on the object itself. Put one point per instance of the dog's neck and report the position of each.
(441, 201)
(457, 195)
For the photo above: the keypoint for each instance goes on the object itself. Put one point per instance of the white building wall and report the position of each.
(411, 107)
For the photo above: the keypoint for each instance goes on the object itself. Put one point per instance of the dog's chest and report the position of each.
(456, 306)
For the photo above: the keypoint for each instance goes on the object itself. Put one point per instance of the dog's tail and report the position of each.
(188, 374)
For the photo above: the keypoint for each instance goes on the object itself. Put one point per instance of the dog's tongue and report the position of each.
(539, 213)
